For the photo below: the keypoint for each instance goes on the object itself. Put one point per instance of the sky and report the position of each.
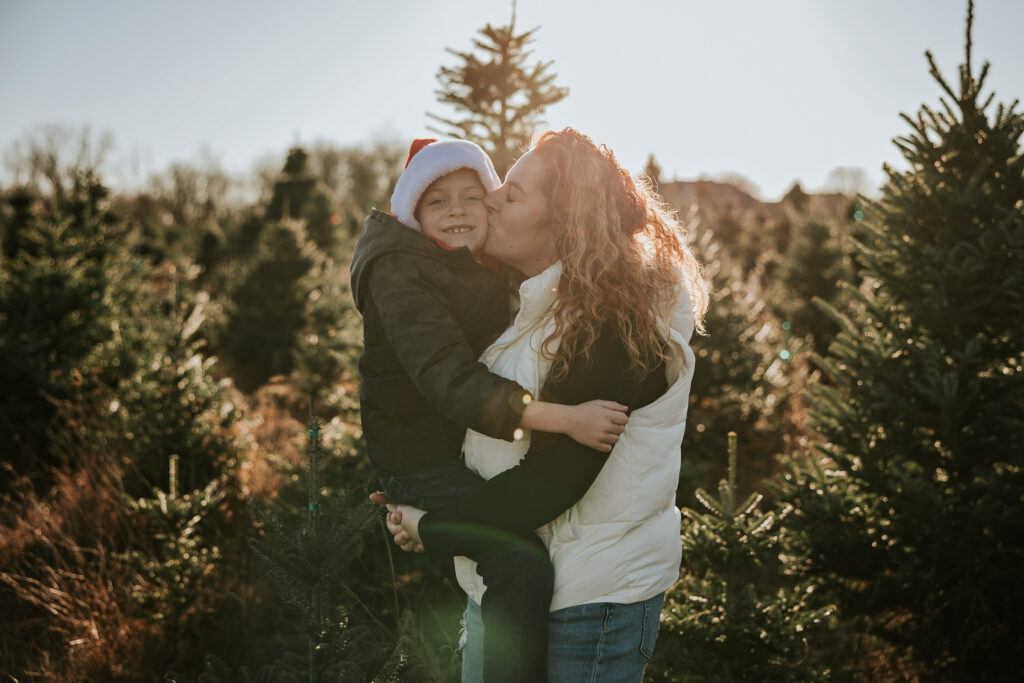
(777, 91)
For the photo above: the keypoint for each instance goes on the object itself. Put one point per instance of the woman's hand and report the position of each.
(403, 523)
(596, 424)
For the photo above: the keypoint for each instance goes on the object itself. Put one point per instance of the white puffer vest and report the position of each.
(620, 543)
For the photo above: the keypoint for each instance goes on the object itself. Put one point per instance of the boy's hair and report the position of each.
(428, 160)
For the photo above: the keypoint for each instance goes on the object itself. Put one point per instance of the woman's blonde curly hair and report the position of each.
(622, 252)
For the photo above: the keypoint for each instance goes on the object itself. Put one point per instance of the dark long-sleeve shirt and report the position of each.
(556, 471)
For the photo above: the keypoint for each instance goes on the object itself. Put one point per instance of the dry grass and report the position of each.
(62, 595)
(273, 430)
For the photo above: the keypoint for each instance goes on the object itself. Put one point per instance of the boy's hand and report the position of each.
(404, 525)
(403, 522)
(596, 424)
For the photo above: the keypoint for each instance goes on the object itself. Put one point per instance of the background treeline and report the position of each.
(169, 506)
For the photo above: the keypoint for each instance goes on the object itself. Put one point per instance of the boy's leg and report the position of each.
(517, 572)
(519, 579)
(432, 488)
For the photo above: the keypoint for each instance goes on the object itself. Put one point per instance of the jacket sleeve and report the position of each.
(431, 347)
(556, 471)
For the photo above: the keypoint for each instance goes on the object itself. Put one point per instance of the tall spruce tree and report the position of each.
(501, 96)
(916, 518)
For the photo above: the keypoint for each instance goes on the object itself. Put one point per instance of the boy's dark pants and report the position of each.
(516, 570)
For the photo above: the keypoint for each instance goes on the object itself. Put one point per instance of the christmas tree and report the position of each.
(735, 615)
(308, 554)
(912, 513)
(299, 194)
(740, 381)
(501, 96)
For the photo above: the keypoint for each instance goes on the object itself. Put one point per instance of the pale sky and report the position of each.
(777, 90)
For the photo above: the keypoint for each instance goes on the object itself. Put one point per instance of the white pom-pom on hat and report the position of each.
(428, 160)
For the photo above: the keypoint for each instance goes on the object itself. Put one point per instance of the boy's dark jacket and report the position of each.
(427, 313)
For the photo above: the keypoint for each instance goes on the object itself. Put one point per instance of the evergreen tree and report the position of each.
(915, 519)
(819, 257)
(83, 315)
(269, 306)
(502, 97)
(734, 615)
(739, 381)
(55, 312)
(104, 381)
(308, 556)
(300, 195)
(326, 353)
(177, 574)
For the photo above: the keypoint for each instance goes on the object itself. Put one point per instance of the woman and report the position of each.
(611, 298)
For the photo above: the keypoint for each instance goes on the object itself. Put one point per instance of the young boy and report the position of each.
(429, 309)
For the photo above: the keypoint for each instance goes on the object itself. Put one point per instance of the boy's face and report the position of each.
(452, 210)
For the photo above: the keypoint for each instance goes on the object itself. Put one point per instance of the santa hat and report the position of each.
(428, 160)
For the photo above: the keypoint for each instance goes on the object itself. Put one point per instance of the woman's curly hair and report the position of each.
(622, 252)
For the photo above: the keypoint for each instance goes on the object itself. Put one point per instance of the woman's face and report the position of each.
(518, 232)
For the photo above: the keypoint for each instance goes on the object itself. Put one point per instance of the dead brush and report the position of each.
(62, 596)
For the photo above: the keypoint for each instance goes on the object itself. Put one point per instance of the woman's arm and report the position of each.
(432, 348)
(556, 471)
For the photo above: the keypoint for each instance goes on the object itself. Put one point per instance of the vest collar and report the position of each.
(538, 294)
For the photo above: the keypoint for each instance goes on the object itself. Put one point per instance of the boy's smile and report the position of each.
(452, 210)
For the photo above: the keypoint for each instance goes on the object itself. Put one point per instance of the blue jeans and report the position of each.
(601, 642)
(516, 570)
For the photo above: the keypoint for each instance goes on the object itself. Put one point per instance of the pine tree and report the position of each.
(269, 306)
(55, 312)
(327, 352)
(739, 382)
(502, 97)
(818, 258)
(914, 516)
(178, 573)
(308, 556)
(298, 194)
(734, 615)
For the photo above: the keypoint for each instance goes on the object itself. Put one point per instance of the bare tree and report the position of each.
(50, 156)
(848, 180)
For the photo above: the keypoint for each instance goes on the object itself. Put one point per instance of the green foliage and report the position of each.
(359, 177)
(107, 380)
(179, 571)
(299, 195)
(915, 519)
(738, 382)
(501, 96)
(735, 615)
(168, 401)
(55, 311)
(327, 351)
(268, 306)
(81, 312)
(308, 558)
(819, 257)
